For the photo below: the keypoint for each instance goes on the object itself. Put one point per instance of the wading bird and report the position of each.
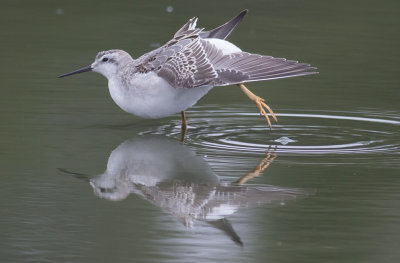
(173, 77)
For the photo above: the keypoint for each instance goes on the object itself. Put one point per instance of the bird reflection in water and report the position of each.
(171, 176)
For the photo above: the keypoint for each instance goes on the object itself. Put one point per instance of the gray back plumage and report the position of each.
(189, 60)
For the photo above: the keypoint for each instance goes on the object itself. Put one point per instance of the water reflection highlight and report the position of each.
(171, 176)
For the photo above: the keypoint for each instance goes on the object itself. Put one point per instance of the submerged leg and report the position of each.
(184, 126)
(264, 163)
(260, 104)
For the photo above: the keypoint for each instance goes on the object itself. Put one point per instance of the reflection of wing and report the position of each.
(183, 200)
(228, 199)
(211, 202)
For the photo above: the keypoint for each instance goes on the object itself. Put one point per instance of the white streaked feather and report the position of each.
(193, 23)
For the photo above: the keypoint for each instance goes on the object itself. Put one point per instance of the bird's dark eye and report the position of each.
(105, 59)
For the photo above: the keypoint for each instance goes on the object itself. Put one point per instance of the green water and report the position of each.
(74, 167)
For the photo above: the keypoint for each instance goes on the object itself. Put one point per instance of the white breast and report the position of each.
(150, 96)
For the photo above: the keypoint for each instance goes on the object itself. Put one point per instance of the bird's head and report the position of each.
(106, 63)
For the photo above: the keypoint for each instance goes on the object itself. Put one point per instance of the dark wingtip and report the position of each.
(223, 31)
(242, 14)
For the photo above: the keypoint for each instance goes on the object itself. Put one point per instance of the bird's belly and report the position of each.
(150, 96)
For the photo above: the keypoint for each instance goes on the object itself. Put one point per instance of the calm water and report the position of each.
(82, 181)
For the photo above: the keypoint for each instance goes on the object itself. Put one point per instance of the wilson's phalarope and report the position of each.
(172, 78)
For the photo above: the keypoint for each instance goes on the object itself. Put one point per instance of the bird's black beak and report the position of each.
(81, 70)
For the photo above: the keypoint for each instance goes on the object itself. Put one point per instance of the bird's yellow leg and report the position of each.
(260, 104)
(264, 163)
(184, 126)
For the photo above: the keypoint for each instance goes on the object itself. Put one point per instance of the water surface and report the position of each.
(83, 181)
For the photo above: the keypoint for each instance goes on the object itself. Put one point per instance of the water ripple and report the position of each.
(236, 130)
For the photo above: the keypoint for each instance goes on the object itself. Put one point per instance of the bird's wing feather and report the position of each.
(153, 60)
(189, 61)
(190, 67)
(202, 63)
(187, 28)
(246, 67)
(226, 29)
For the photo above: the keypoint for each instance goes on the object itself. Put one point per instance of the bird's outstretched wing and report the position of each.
(202, 63)
(189, 60)
(242, 67)
(153, 60)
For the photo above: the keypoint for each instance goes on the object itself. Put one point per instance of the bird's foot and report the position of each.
(260, 104)
(184, 126)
